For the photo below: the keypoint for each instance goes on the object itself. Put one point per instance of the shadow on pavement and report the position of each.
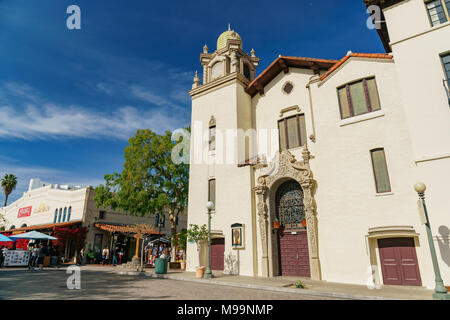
(52, 284)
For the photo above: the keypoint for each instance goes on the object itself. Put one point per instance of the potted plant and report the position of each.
(198, 235)
(180, 241)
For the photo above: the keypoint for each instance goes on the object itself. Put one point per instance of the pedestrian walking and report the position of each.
(105, 255)
(2, 257)
(120, 255)
(41, 256)
(115, 256)
(34, 257)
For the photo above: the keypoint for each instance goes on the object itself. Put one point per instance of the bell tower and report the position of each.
(221, 115)
(228, 58)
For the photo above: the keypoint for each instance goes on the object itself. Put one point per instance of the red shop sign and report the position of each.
(24, 212)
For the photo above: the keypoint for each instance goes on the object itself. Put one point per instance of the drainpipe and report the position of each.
(312, 80)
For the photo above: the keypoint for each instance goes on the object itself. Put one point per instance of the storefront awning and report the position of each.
(120, 228)
(42, 227)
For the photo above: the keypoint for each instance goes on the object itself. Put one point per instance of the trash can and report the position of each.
(160, 266)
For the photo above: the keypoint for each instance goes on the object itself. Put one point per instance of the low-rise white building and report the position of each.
(313, 162)
(47, 206)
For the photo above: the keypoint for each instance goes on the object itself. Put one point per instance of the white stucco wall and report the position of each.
(233, 185)
(412, 127)
(52, 199)
(417, 48)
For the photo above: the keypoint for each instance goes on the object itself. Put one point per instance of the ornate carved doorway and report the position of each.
(293, 252)
(288, 169)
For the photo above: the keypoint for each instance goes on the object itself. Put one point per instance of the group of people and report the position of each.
(153, 252)
(106, 257)
(38, 253)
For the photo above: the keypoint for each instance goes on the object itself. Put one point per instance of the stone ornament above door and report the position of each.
(288, 168)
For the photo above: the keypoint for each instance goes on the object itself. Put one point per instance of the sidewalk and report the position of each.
(283, 284)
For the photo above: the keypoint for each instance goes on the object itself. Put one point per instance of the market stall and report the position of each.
(21, 257)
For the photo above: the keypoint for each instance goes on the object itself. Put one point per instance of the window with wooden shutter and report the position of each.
(292, 132)
(380, 171)
(212, 191)
(438, 11)
(446, 63)
(344, 103)
(358, 98)
(212, 138)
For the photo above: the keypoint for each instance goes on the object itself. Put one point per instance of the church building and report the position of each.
(311, 164)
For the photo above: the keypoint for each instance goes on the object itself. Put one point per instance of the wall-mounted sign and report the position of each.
(24, 212)
(237, 236)
(42, 208)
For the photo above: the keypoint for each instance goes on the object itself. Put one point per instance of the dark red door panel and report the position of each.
(294, 255)
(399, 262)
(217, 254)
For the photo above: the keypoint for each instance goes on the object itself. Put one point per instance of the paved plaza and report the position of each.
(105, 284)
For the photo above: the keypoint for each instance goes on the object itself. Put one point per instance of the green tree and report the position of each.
(150, 181)
(3, 222)
(9, 183)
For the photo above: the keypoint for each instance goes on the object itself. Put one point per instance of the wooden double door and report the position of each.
(399, 262)
(294, 254)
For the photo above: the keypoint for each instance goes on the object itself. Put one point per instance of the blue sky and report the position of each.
(70, 99)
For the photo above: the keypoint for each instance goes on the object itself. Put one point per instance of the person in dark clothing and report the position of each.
(2, 258)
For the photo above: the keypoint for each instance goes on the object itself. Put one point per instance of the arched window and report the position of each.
(56, 216)
(69, 213)
(64, 216)
(12, 227)
(247, 73)
(157, 220)
(24, 225)
(289, 205)
(59, 216)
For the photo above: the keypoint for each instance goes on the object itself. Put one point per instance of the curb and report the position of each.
(258, 287)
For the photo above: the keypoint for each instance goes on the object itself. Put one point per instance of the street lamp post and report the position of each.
(208, 273)
(440, 292)
(159, 234)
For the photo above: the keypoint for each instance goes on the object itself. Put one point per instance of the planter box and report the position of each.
(174, 265)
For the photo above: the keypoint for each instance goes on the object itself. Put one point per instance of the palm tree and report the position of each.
(8, 183)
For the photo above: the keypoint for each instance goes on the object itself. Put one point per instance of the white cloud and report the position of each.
(22, 91)
(149, 96)
(104, 88)
(39, 120)
(26, 172)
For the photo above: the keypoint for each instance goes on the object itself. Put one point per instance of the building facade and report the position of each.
(47, 206)
(311, 165)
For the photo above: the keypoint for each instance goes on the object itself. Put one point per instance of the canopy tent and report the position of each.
(5, 238)
(163, 240)
(33, 235)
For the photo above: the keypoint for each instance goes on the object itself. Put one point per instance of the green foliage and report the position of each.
(9, 183)
(299, 285)
(197, 234)
(180, 239)
(150, 181)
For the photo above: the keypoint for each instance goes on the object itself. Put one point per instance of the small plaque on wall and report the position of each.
(237, 236)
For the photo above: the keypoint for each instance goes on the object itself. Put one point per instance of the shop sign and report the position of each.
(42, 208)
(24, 212)
(14, 258)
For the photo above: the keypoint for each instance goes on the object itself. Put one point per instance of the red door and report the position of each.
(399, 262)
(217, 254)
(294, 254)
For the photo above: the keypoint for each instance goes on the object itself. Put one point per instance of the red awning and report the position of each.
(135, 229)
(42, 227)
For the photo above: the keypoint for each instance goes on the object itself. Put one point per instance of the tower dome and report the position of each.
(223, 38)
